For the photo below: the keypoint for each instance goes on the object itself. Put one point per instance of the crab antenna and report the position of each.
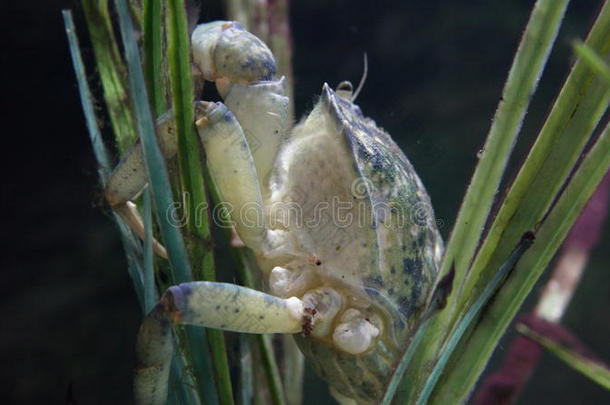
(362, 79)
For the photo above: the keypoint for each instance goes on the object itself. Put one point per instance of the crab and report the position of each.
(340, 224)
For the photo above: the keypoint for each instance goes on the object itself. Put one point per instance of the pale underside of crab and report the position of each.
(339, 222)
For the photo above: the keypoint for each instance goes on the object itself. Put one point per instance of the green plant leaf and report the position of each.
(193, 187)
(592, 369)
(112, 71)
(474, 311)
(532, 204)
(150, 291)
(479, 346)
(132, 248)
(155, 163)
(153, 54)
(137, 268)
(523, 77)
(576, 113)
(86, 99)
(271, 370)
(246, 375)
(589, 57)
(163, 199)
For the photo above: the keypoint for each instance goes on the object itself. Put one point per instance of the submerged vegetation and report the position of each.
(494, 255)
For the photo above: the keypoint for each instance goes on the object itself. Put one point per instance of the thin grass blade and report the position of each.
(192, 183)
(590, 368)
(528, 205)
(581, 103)
(589, 57)
(271, 370)
(521, 83)
(524, 74)
(246, 377)
(158, 178)
(112, 71)
(163, 199)
(86, 99)
(150, 291)
(458, 380)
(490, 289)
(293, 370)
(576, 113)
(263, 342)
(140, 273)
(152, 45)
(404, 363)
(132, 248)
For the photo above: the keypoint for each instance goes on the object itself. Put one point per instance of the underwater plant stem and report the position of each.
(192, 182)
(521, 359)
(528, 63)
(112, 72)
(153, 55)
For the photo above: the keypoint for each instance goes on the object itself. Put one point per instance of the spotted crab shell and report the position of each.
(406, 247)
(392, 259)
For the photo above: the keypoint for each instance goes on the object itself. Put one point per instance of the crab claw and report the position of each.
(225, 51)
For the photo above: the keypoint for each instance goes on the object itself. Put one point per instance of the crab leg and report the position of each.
(129, 178)
(231, 164)
(226, 50)
(222, 51)
(262, 111)
(243, 68)
(210, 304)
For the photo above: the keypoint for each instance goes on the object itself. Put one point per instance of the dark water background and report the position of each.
(436, 70)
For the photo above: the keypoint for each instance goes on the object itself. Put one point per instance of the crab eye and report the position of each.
(345, 90)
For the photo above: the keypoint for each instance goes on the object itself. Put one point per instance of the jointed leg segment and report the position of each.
(245, 69)
(216, 305)
(231, 165)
